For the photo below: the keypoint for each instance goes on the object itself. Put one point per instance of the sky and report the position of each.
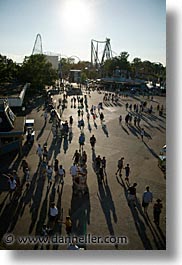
(68, 26)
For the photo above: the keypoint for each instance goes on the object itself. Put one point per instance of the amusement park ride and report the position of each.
(106, 55)
(98, 48)
(37, 48)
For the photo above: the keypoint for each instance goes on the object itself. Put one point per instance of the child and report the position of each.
(68, 224)
(127, 172)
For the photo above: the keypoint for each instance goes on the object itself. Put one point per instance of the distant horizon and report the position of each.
(18, 58)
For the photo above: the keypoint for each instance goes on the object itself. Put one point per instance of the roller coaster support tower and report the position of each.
(107, 53)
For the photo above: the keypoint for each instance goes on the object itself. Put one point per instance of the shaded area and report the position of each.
(80, 213)
(41, 131)
(7, 217)
(139, 224)
(37, 197)
(3, 202)
(107, 204)
(133, 130)
(151, 150)
(14, 209)
(42, 215)
(105, 130)
(124, 129)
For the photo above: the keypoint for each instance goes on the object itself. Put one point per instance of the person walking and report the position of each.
(94, 117)
(62, 174)
(49, 172)
(45, 154)
(132, 195)
(104, 164)
(71, 121)
(97, 163)
(157, 208)
(76, 157)
(53, 214)
(39, 152)
(120, 166)
(78, 113)
(84, 158)
(92, 141)
(88, 116)
(73, 171)
(68, 225)
(101, 117)
(127, 172)
(81, 141)
(81, 124)
(146, 198)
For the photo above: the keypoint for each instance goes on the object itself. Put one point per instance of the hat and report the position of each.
(158, 200)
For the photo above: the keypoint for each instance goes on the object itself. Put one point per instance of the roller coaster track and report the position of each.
(106, 55)
(37, 48)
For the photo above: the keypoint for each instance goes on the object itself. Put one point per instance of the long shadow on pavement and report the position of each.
(124, 129)
(36, 201)
(42, 215)
(80, 213)
(107, 205)
(133, 130)
(41, 131)
(14, 209)
(140, 225)
(7, 216)
(151, 150)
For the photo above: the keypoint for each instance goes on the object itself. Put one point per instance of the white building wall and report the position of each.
(53, 60)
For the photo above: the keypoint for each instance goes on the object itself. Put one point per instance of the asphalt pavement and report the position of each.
(104, 211)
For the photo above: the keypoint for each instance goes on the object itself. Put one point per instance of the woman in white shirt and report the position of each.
(53, 212)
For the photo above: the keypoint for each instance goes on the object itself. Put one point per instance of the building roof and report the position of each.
(9, 123)
(10, 89)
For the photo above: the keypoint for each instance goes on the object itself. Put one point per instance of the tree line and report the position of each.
(151, 71)
(37, 71)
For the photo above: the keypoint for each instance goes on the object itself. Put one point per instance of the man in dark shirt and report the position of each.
(132, 194)
(92, 141)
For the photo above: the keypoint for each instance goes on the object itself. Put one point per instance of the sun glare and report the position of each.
(76, 14)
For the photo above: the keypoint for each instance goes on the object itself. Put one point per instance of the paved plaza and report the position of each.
(104, 211)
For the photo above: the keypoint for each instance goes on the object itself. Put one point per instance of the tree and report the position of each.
(136, 66)
(37, 71)
(8, 69)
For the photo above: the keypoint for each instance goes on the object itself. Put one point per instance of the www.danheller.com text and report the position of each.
(10, 239)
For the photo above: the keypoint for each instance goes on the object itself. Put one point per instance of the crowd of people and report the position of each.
(55, 172)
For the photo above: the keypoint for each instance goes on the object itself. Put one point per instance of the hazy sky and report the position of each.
(67, 27)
